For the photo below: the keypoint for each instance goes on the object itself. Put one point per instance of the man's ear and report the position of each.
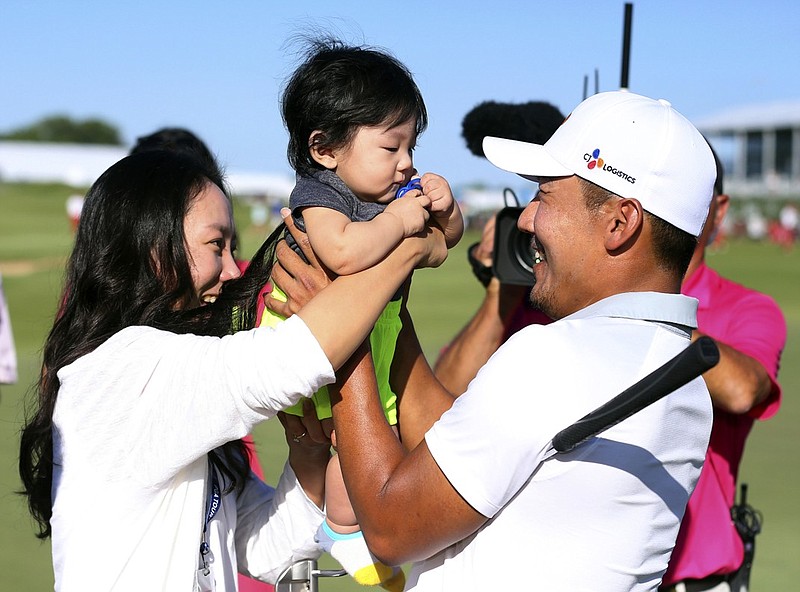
(320, 152)
(723, 201)
(625, 218)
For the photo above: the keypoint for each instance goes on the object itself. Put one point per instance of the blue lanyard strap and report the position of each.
(213, 498)
(211, 510)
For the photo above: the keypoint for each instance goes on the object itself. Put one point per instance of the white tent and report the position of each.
(78, 165)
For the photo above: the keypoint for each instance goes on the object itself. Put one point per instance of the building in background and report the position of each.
(759, 146)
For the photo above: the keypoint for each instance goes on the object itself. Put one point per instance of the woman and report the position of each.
(132, 462)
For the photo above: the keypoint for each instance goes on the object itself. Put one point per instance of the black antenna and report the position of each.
(626, 46)
(585, 86)
(596, 81)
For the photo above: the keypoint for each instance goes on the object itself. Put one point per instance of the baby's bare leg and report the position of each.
(341, 536)
(338, 509)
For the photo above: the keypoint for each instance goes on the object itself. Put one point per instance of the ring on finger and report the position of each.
(297, 438)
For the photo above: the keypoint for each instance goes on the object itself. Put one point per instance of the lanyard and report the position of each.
(213, 498)
(211, 511)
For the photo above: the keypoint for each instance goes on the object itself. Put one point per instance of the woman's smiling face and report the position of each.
(209, 233)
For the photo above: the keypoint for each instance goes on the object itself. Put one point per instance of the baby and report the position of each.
(353, 115)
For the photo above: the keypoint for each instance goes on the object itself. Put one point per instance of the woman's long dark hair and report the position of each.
(129, 266)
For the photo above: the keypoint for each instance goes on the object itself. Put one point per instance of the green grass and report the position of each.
(34, 227)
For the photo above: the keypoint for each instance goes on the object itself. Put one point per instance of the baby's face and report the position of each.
(378, 161)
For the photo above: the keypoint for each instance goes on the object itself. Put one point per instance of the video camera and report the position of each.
(535, 122)
(513, 255)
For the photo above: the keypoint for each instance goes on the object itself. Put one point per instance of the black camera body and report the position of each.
(513, 255)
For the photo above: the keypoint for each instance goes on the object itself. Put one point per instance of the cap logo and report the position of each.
(593, 161)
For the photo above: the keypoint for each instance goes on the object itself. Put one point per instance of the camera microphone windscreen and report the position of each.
(534, 121)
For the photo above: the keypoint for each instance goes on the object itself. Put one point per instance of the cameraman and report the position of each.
(506, 307)
(505, 310)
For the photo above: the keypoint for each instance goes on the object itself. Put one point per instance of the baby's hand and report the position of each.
(438, 190)
(443, 207)
(410, 210)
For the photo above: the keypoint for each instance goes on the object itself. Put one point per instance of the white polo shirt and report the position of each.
(604, 516)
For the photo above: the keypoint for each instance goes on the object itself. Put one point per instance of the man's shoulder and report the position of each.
(724, 288)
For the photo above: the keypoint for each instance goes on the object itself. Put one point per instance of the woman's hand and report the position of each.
(309, 450)
(300, 281)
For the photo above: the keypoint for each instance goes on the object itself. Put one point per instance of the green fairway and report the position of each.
(35, 239)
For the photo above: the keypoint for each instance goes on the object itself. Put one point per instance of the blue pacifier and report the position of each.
(412, 184)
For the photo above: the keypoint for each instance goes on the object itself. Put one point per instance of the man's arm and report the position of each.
(405, 506)
(460, 360)
(750, 346)
(422, 398)
(738, 382)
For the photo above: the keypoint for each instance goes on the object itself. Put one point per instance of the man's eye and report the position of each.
(390, 148)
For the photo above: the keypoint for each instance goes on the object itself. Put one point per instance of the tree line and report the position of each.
(64, 129)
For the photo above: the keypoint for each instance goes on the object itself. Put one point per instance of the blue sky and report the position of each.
(218, 67)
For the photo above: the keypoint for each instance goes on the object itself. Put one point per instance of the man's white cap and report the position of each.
(630, 145)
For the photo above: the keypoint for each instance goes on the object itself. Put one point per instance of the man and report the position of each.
(750, 331)
(505, 308)
(479, 501)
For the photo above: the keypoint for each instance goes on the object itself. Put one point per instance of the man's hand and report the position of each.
(300, 281)
(484, 250)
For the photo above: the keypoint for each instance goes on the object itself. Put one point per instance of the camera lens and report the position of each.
(513, 255)
(521, 248)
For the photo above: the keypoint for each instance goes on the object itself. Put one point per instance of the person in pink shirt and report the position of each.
(750, 331)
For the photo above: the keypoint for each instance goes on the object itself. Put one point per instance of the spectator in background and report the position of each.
(788, 221)
(750, 332)
(74, 207)
(177, 139)
(8, 354)
(789, 218)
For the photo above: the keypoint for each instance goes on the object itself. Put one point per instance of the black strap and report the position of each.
(212, 506)
(481, 271)
(699, 357)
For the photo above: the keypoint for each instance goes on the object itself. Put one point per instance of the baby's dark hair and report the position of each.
(339, 88)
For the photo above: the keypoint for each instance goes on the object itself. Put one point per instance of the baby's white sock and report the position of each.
(351, 551)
